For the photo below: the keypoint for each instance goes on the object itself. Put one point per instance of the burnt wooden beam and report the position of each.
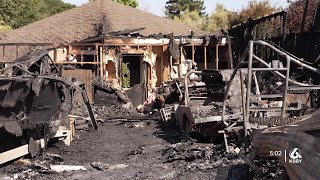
(205, 57)
(230, 52)
(304, 19)
(4, 53)
(316, 22)
(17, 51)
(193, 53)
(89, 108)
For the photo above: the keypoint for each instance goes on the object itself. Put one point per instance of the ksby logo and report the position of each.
(295, 156)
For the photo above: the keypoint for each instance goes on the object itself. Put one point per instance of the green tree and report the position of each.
(175, 8)
(53, 7)
(131, 3)
(219, 19)
(125, 75)
(254, 10)
(192, 19)
(4, 27)
(17, 13)
(20, 12)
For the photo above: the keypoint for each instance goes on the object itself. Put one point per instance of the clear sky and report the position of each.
(157, 6)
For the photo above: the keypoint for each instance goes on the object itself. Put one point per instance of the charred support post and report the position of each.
(284, 105)
(230, 52)
(171, 67)
(96, 59)
(205, 57)
(193, 52)
(217, 57)
(100, 60)
(17, 52)
(180, 60)
(243, 104)
(120, 68)
(54, 54)
(69, 49)
(250, 57)
(161, 66)
(104, 60)
(304, 18)
(4, 53)
(316, 21)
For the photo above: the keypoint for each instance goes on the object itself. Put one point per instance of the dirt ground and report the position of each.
(140, 150)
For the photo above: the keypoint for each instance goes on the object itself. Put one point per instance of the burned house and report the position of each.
(101, 45)
(119, 44)
(53, 70)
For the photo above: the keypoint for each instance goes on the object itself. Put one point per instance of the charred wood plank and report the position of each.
(14, 154)
(88, 105)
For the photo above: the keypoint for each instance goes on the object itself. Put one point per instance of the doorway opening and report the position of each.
(132, 70)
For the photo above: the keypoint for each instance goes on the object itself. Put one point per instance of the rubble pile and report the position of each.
(214, 109)
(113, 111)
(193, 156)
(106, 89)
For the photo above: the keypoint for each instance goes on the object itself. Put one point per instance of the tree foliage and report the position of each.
(18, 13)
(131, 3)
(176, 8)
(126, 75)
(219, 19)
(254, 10)
(56, 6)
(193, 19)
(224, 19)
(4, 27)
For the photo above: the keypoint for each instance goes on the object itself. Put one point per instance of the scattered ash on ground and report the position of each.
(135, 150)
(130, 145)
